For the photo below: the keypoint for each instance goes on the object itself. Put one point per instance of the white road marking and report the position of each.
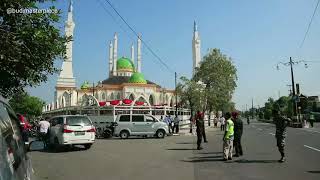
(260, 129)
(312, 148)
(272, 134)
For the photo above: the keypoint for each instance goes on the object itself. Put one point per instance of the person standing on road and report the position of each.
(168, 122)
(281, 123)
(311, 119)
(44, 126)
(200, 128)
(223, 123)
(176, 121)
(228, 138)
(238, 129)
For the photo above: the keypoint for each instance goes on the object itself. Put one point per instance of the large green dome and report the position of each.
(125, 64)
(85, 85)
(137, 78)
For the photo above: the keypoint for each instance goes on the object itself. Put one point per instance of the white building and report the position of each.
(126, 83)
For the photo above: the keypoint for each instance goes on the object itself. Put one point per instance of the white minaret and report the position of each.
(115, 54)
(110, 58)
(139, 54)
(66, 78)
(132, 53)
(196, 49)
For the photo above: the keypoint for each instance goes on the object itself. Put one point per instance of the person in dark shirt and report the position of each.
(200, 128)
(238, 129)
(281, 123)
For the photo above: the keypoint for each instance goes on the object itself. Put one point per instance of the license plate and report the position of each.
(79, 133)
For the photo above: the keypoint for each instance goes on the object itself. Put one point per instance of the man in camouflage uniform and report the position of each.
(200, 128)
(281, 123)
(238, 129)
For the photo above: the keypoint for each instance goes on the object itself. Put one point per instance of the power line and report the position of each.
(147, 46)
(305, 35)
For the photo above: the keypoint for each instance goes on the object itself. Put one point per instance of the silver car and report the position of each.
(139, 125)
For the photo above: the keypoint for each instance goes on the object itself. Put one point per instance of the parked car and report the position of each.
(15, 164)
(139, 125)
(71, 130)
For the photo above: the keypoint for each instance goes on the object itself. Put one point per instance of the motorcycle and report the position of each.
(106, 131)
(109, 130)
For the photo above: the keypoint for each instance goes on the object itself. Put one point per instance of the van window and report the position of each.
(136, 118)
(150, 119)
(78, 121)
(124, 118)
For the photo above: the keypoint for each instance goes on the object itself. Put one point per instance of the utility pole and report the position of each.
(175, 84)
(252, 108)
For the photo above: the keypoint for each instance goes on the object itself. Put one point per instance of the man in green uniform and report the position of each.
(228, 138)
(281, 123)
(238, 129)
(200, 128)
(311, 119)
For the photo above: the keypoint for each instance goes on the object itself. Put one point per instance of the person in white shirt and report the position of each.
(223, 123)
(44, 126)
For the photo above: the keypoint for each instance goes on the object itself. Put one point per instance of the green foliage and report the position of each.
(29, 44)
(191, 94)
(268, 109)
(219, 74)
(27, 105)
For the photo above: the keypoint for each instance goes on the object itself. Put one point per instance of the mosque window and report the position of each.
(118, 96)
(103, 96)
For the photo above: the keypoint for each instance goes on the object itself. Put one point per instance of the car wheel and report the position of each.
(124, 134)
(87, 146)
(160, 133)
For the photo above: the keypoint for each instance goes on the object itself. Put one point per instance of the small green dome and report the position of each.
(85, 85)
(125, 64)
(137, 78)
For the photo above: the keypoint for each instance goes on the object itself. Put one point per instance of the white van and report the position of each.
(139, 125)
(71, 130)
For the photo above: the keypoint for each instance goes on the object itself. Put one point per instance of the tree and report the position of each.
(29, 44)
(191, 94)
(27, 105)
(268, 108)
(219, 74)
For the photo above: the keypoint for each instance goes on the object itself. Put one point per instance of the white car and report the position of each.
(139, 125)
(71, 130)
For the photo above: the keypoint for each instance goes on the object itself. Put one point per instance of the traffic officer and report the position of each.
(200, 128)
(311, 119)
(228, 138)
(238, 129)
(281, 123)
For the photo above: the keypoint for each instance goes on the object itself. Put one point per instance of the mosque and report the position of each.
(126, 84)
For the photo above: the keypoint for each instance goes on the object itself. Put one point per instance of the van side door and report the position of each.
(138, 124)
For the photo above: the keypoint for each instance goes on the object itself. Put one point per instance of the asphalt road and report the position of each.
(176, 158)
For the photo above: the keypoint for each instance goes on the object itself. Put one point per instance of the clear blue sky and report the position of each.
(256, 34)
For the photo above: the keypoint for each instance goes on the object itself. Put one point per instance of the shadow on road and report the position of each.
(252, 161)
(314, 172)
(206, 157)
(202, 160)
(182, 149)
(39, 146)
(210, 153)
(186, 143)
